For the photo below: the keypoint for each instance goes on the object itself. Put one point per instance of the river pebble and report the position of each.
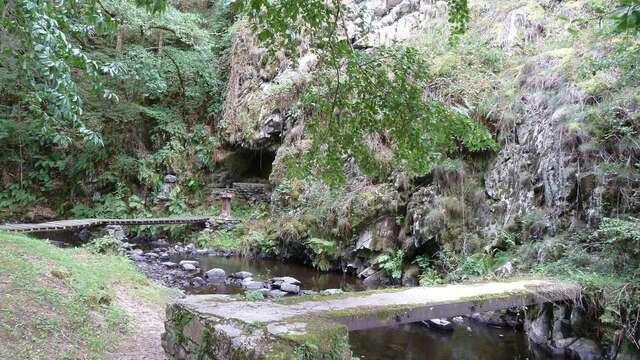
(191, 262)
(276, 293)
(188, 267)
(331, 292)
(253, 285)
(290, 288)
(286, 279)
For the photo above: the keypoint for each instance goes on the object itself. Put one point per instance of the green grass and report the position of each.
(60, 303)
(224, 240)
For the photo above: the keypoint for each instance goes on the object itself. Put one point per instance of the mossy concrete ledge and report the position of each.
(223, 327)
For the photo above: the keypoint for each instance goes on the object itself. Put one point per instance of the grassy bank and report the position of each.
(61, 303)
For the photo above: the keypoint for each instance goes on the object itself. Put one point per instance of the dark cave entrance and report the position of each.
(258, 164)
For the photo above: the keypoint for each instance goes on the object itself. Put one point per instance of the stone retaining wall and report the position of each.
(254, 192)
(193, 335)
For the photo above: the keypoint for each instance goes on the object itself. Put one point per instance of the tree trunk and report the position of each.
(119, 40)
(160, 41)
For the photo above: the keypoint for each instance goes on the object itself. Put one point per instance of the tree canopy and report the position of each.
(50, 34)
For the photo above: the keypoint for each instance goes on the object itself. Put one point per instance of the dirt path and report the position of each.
(147, 325)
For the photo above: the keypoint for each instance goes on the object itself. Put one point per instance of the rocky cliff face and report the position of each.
(518, 70)
(263, 86)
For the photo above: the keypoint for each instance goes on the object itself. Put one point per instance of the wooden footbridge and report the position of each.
(86, 223)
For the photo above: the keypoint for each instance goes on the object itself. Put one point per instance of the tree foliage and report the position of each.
(48, 58)
(366, 100)
(627, 15)
(161, 121)
(459, 16)
(378, 105)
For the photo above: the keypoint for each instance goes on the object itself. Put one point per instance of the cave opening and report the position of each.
(258, 164)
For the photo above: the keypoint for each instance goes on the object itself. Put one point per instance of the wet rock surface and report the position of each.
(163, 264)
(156, 263)
(550, 327)
(501, 319)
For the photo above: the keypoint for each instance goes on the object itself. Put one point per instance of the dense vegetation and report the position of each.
(99, 100)
(143, 104)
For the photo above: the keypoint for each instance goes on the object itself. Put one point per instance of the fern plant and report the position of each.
(323, 253)
(391, 263)
(429, 276)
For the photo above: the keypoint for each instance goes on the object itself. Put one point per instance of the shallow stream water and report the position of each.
(468, 341)
(266, 269)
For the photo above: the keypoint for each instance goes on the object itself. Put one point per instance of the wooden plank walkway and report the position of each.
(84, 223)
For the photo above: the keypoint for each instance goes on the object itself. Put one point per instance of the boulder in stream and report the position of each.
(376, 280)
(191, 262)
(331, 292)
(246, 281)
(252, 285)
(286, 280)
(188, 267)
(198, 281)
(290, 288)
(216, 274)
(161, 243)
(367, 273)
(439, 324)
(138, 258)
(585, 349)
(276, 293)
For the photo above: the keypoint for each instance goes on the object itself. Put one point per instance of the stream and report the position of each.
(468, 341)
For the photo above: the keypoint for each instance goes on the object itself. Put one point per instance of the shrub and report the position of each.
(224, 240)
(391, 263)
(104, 245)
(323, 253)
(253, 295)
(264, 244)
(429, 276)
(481, 264)
(622, 237)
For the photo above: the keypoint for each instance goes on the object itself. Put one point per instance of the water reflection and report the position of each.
(265, 269)
(470, 341)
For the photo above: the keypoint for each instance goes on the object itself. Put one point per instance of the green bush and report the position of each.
(481, 264)
(104, 245)
(253, 295)
(225, 240)
(323, 253)
(264, 244)
(621, 238)
(429, 276)
(391, 263)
